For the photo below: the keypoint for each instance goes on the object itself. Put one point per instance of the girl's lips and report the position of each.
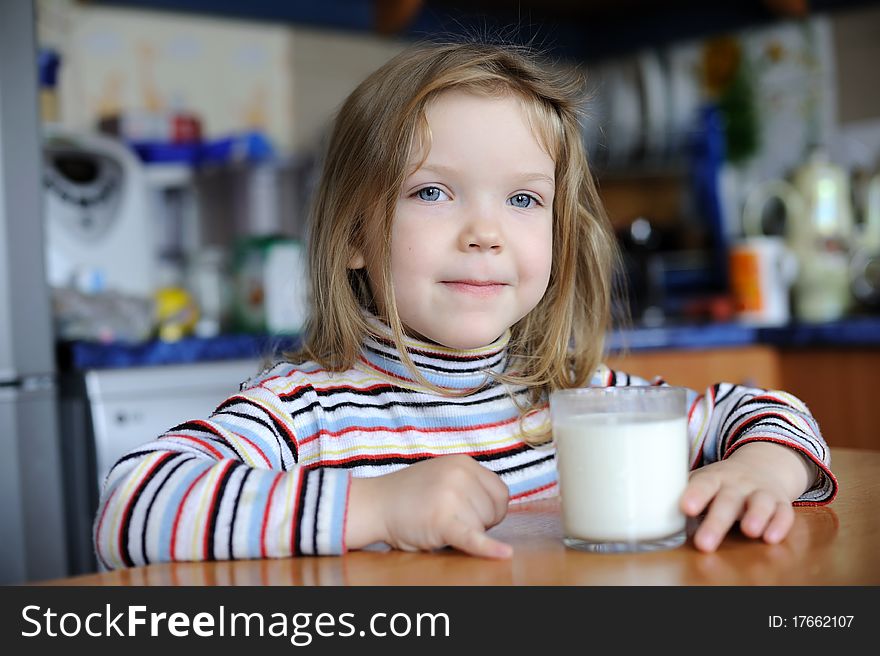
(482, 288)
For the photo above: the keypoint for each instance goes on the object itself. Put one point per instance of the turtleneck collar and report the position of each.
(442, 366)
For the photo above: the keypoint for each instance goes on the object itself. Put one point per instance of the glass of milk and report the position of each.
(622, 457)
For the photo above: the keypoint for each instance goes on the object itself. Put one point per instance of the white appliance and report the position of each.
(130, 407)
(100, 215)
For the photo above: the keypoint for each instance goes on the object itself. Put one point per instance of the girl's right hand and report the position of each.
(444, 501)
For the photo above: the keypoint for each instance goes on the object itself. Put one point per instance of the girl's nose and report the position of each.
(481, 235)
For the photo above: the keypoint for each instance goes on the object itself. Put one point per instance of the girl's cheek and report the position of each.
(536, 258)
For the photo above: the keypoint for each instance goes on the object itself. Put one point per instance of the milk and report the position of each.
(621, 475)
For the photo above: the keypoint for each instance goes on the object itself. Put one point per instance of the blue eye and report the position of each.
(523, 201)
(431, 194)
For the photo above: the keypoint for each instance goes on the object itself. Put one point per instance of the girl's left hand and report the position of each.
(755, 485)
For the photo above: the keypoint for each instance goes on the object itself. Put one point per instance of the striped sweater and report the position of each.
(268, 474)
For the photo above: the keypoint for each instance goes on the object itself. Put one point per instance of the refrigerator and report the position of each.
(33, 539)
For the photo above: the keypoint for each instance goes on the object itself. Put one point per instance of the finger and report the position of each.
(723, 512)
(498, 493)
(463, 486)
(780, 524)
(700, 490)
(473, 540)
(483, 505)
(491, 490)
(488, 510)
(760, 508)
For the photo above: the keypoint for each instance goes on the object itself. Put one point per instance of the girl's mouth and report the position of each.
(481, 288)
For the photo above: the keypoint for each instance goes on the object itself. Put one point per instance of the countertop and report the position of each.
(851, 332)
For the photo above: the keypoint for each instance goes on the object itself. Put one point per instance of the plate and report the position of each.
(684, 93)
(652, 78)
(594, 121)
(624, 111)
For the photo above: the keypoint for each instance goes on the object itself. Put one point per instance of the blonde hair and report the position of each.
(560, 342)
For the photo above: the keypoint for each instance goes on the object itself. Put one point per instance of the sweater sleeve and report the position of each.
(228, 487)
(727, 416)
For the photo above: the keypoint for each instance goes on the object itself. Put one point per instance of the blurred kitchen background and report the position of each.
(159, 157)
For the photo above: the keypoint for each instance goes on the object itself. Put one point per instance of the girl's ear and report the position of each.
(356, 261)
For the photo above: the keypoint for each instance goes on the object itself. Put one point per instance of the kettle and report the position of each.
(865, 265)
(820, 230)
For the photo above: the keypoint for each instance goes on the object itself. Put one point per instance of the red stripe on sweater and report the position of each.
(406, 429)
(266, 515)
(179, 512)
(291, 374)
(198, 441)
(694, 407)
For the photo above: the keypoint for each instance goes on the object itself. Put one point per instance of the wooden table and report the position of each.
(837, 544)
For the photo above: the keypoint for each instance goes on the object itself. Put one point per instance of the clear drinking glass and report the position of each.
(622, 458)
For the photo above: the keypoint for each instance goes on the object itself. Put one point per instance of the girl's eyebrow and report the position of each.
(527, 176)
(435, 168)
(537, 177)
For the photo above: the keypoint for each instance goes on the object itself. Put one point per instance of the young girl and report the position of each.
(461, 270)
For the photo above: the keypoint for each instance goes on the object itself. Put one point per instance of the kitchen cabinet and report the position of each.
(579, 29)
(756, 365)
(839, 385)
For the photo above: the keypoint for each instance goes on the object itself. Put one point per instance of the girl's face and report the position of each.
(471, 238)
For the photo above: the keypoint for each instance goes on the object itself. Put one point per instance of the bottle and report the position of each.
(209, 282)
(49, 62)
(183, 126)
(271, 280)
